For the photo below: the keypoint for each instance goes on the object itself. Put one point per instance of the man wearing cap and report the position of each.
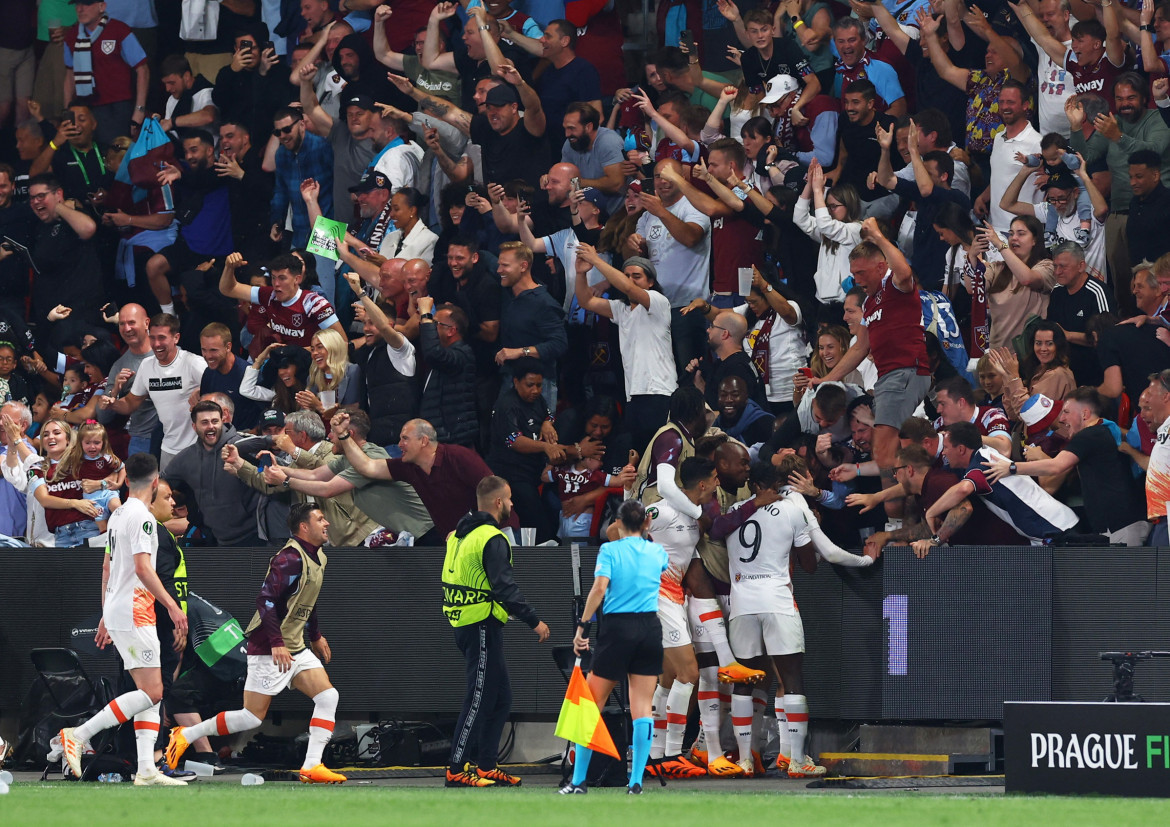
(596, 151)
(806, 134)
(1060, 196)
(1114, 507)
(513, 147)
(271, 423)
(352, 141)
(1040, 417)
(106, 68)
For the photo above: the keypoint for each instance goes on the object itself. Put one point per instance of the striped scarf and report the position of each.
(83, 80)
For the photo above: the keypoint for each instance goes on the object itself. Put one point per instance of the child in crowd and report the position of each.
(1057, 156)
(582, 477)
(101, 473)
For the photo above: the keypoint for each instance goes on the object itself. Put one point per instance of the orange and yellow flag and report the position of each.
(580, 719)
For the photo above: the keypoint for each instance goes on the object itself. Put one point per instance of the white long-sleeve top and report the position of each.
(832, 265)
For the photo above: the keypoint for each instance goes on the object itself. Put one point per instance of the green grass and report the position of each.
(283, 804)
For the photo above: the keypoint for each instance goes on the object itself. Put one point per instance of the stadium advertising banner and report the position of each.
(1094, 748)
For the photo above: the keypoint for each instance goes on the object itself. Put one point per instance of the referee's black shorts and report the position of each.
(628, 643)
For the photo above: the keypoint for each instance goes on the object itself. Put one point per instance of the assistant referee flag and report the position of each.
(580, 719)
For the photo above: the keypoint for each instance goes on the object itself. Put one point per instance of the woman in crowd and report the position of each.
(57, 485)
(832, 344)
(279, 374)
(1017, 287)
(412, 238)
(622, 224)
(834, 220)
(1044, 368)
(333, 379)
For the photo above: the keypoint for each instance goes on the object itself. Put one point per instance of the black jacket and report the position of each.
(448, 399)
(252, 98)
(497, 564)
(391, 399)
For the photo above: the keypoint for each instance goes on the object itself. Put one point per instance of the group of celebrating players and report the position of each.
(723, 603)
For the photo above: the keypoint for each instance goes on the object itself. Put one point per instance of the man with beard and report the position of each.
(858, 151)
(595, 150)
(228, 507)
(1134, 127)
(205, 224)
(225, 372)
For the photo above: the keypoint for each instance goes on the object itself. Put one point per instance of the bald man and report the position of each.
(727, 358)
(145, 431)
(416, 274)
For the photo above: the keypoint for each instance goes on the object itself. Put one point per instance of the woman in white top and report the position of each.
(836, 224)
(411, 237)
(643, 336)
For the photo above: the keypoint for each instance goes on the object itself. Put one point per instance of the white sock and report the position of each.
(705, 613)
(321, 726)
(741, 722)
(169, 307)
(118, 711)
(145, 734)
(782, 725)
(796, 710)
(658, 740)
(759, 734)
(727, 732)
(225, 723)
(678, 701)
(709, 711)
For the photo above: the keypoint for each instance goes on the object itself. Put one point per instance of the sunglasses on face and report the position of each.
(283, 130)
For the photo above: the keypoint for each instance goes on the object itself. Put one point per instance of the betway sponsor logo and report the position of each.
(291, 332)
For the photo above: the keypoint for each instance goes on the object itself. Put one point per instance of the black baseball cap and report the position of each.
(361, 100)
(501, 94)
(371, 180)
(272, 418)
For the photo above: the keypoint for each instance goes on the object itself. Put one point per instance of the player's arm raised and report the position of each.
(228, 285)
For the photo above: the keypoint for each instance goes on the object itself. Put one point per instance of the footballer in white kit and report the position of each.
(764, 619)
(130, 591)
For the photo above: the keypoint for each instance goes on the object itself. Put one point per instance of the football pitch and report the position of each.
(281, 804)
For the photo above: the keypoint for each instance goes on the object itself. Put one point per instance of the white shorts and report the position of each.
(673, 617)
(768, 633)
(139, 647)
(266, 678)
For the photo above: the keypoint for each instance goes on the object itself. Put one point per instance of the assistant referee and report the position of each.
(627, 577)
(478, 595)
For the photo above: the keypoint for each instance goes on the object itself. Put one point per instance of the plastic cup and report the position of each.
(527, 536)
(200, 769)
(251, 779)
(5, 777)
(3, 788)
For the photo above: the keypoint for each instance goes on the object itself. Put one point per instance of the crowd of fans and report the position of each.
(913, 253)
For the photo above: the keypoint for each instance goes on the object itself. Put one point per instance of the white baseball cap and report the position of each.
(778, 87)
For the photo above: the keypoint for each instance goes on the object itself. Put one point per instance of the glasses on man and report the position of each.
(446, 325)
(284, 130)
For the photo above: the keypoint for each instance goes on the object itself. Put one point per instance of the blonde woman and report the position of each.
(333, 379)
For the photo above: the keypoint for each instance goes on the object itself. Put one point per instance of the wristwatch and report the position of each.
(769, 288)
(935, 541)
(527, 351)
(287, 483)
(1012, 468)
(427, 316)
